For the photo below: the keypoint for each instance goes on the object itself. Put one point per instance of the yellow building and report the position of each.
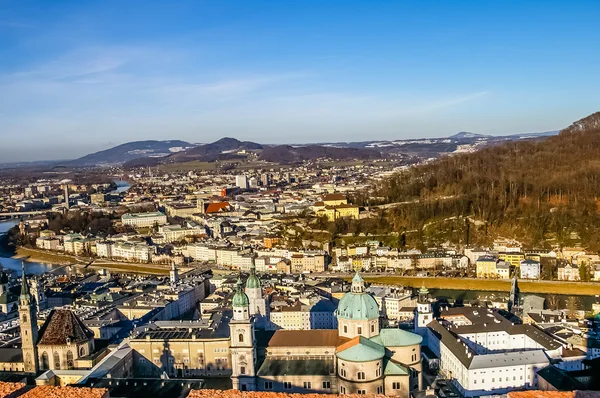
(334, 199)
(486, 267)
(340, 211)
(513, 258)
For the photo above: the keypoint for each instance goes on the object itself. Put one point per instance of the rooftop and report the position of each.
(307, 338)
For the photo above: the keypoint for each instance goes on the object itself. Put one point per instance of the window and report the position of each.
(24, 319)
(82, 352)
(343, 372)
(242, 370)
(327, 384)
(380, 390)
(345, 329)
(378, 372)
(241, 338)
(45, 362)
(361, 392)
(69, 360)
(268, 385)
(307, 384)
(361, 376)
(342, 390)
(359, 330)
(396, 385)
(56, 361)
(287, 385)
(372, 328)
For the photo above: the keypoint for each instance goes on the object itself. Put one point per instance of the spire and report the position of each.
(24, 285)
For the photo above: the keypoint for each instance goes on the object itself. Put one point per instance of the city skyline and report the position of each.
(78, 77)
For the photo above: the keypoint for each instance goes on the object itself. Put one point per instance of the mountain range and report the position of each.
(151, 153)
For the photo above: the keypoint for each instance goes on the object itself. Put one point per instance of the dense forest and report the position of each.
(542, 192)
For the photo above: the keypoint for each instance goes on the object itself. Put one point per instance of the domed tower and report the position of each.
(243, 353)
(358, 312)
(28, 325)
(423, 314)
(257, 303)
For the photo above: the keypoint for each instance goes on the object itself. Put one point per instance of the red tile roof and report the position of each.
(252, 394)
(7, 389)
(65, 392)
(216, 207)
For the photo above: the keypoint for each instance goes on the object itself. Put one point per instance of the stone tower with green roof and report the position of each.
(28, 325)
(243, 352)
(257, 303)
(423, 313)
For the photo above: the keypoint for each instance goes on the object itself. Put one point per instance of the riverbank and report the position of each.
(41, 256)
(542, 287)
(148, 269)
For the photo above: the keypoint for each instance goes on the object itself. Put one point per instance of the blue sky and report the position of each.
(78, 76)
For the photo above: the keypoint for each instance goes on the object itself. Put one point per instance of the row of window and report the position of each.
(359, 329)
(287, 385)
(360, 375)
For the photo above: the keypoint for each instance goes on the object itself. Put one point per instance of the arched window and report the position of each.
(82, 352)
(343, 372)
(56, 361)
(70, 359)
(361, 376)
(24, 318)
(45, 362)
(241, 337)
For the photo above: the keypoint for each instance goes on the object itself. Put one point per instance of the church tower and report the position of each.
(423, 315)
(29, 329)
(173, 275)
(257, 304)
(243, 351)
(37, 291)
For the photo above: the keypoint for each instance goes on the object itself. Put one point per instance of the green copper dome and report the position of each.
(240, 299)
(252, 282)
(357, 304)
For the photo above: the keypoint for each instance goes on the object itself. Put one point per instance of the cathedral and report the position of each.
(357, 358)
(58, 344)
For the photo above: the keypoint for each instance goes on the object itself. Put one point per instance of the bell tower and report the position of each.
(423, 315)
(243, 350)
(28, 325)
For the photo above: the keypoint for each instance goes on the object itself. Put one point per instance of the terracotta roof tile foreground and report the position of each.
(8, 388)
(65, 392)
(251, 394)
(554, 394)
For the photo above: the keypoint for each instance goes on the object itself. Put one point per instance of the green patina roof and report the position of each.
(252, 282)
(240, 299)
(397, 338)
(394, 369)
(357, 278)
(359, 306)
(363, 351)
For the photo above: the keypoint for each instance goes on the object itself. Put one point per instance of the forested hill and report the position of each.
(542, 192)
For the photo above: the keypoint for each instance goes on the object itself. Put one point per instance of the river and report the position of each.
(15, 264)
(34, 267)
